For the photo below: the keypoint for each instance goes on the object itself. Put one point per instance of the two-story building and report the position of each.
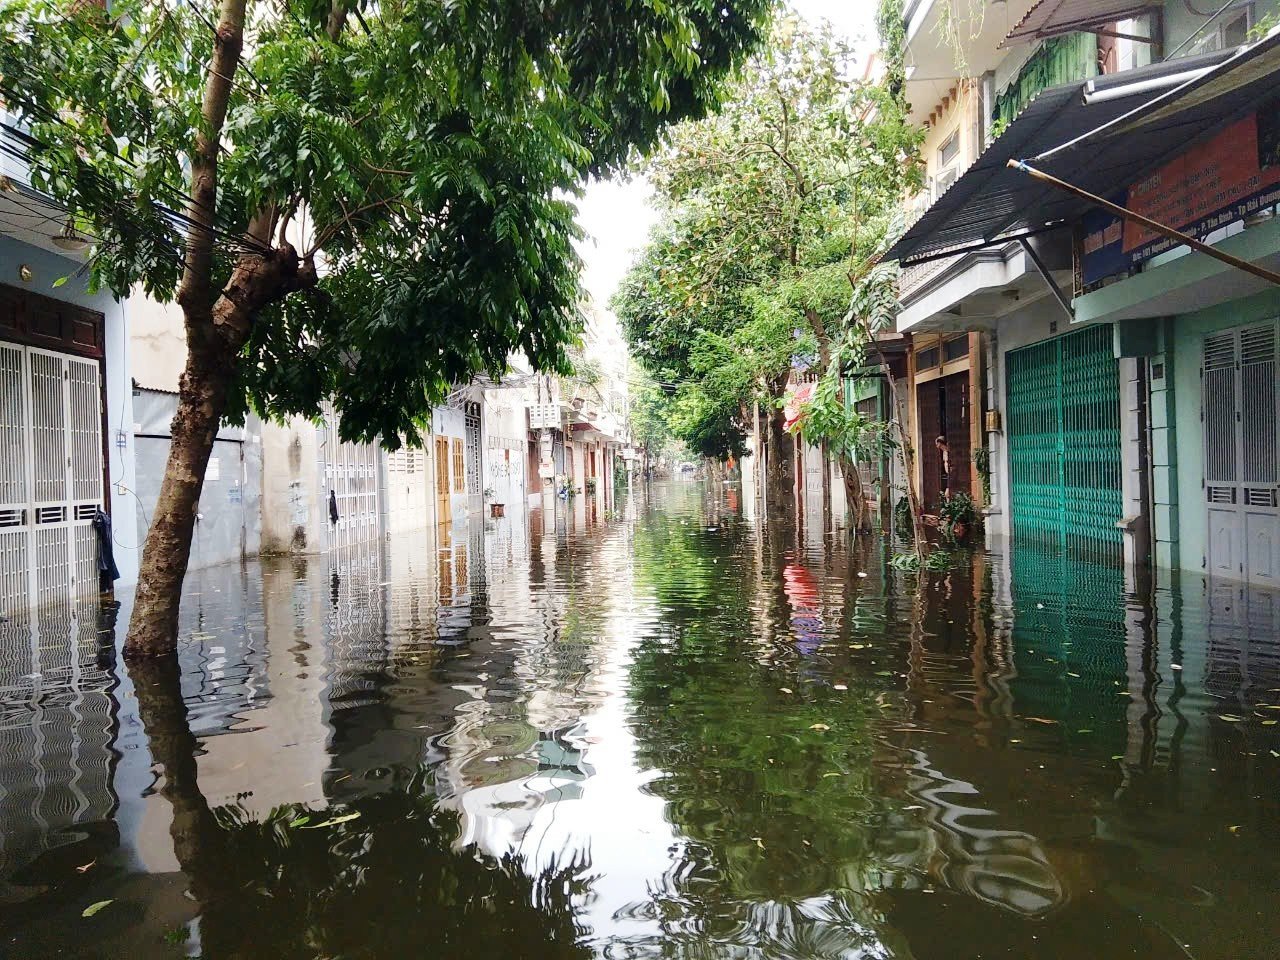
(1038, 326)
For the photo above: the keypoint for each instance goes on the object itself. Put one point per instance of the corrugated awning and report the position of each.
(1049, 18)
(1082, 139)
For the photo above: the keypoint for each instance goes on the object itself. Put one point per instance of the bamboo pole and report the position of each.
(1160, 228)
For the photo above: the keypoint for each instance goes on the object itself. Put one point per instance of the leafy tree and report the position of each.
(347, 200)
(776, 207)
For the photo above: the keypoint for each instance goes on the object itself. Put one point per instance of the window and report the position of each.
(955, 349)
(927, 359)
(949, 150)
(459, 467)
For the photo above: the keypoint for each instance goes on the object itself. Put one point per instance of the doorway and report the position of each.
(1241, 462)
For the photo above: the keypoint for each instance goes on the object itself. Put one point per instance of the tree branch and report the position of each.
(194, 289)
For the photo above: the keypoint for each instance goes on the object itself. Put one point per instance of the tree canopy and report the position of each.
(420, 158)
(774, 209)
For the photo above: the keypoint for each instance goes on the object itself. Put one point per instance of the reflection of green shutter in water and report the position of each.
(1064, 442)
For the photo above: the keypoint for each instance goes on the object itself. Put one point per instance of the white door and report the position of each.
(50, 475)
(1242, 453)
(351, 478)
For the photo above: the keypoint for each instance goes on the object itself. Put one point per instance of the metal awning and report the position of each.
(1049, 18)
(1078, 132)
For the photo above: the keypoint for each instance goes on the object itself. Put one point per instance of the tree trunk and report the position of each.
(908, 468)
(214, 340)
(202, 396)
(780, 472)
(854, 495)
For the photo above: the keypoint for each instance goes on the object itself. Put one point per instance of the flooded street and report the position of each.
(669, 733)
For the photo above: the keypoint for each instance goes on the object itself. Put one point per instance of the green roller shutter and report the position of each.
(1064, 442)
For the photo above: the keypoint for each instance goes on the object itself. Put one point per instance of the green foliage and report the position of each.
(902, 520)
(649, 418)
(774, 211)
(982, 463)
(958, 508)
(936, 561)
(425, 153)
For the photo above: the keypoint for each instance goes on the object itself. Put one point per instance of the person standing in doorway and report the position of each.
(944, 458)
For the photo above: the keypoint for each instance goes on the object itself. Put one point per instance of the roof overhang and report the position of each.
(1051, 18)
(1076, 132)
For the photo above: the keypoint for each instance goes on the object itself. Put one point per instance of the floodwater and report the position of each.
(665, 732)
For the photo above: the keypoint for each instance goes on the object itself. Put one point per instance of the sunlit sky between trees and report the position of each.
(617, 215)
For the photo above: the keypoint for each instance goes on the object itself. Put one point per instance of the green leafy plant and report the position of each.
(935, 561)
(591, 485)
(982, 463)
(957, 515)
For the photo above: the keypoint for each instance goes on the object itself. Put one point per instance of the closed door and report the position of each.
(443, 513)
(1064, 442)
(51, 483)
(1242, 465)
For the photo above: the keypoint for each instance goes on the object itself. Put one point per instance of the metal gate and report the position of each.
(351, 477)
(50, 475)
(1064, 442)
(1241, 417)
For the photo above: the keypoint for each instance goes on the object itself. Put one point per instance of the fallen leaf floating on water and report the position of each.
(1234, 828)
(1230, 718)
(820, 727)
(329, 823)
(759, 842)
(1040, 720)
(93, 908)
(85, 868)
(1175, 666)
(839, 686)
(786, 689)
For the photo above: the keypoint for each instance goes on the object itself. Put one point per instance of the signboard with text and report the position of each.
(1233, 174)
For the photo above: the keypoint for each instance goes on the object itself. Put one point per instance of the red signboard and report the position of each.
(1208, 179)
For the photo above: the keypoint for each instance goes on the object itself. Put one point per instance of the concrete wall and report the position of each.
(505, 445)
(228, 520)
(46, 269)
(157, 343)
(293, 505)
(451, 423)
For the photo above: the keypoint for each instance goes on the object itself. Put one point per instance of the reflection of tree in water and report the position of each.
(379, 878)
(767, 775)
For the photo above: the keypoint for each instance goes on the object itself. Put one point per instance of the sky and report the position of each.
(617, 215)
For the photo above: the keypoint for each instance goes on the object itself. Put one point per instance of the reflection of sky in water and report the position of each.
(746, 749)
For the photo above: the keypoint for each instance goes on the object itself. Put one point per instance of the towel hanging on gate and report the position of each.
(333, 507)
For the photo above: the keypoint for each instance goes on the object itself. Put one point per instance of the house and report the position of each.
(66, 408)
(1066, 345)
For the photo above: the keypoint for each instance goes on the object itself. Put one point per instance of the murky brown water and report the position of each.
(667, 734)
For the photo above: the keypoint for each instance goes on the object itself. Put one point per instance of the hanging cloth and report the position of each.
(107, 570)
(333, 507)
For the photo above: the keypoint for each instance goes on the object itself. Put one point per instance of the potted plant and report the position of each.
(957, 516)
(495, 509)
(591, 486)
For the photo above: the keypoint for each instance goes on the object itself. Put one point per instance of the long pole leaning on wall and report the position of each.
(1164, 231)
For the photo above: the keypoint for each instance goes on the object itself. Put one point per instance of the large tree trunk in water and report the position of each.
(202, 396)
(855, 496)
(908, 469)
(214, 340)
(780, 475)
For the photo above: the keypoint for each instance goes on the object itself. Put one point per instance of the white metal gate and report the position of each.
(50, 475)
(351, 477)
(1242, 453)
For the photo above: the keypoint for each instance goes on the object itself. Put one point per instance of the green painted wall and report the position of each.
(1188, 334)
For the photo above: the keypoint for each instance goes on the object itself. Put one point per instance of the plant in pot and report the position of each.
(957, 516)
(495, 509)
(591, 485)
